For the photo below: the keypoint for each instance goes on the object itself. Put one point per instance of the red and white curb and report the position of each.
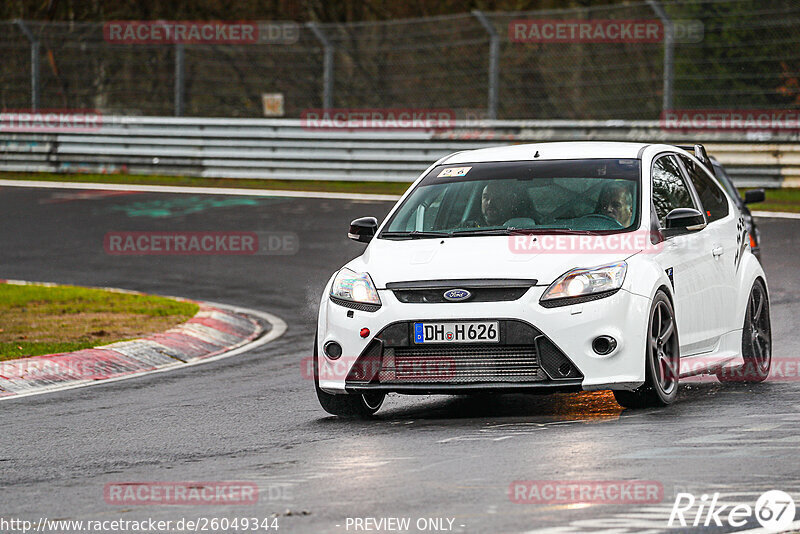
(217, 331)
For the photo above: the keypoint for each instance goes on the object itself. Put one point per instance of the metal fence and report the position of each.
(285, 149)
(747, 56)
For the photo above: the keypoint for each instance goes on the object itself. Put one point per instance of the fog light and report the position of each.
(364, 332)
(333, 350)
(603, 345)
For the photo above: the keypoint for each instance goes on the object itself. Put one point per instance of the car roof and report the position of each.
(549, 151)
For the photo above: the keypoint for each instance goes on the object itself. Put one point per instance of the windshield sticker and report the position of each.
(454, 172)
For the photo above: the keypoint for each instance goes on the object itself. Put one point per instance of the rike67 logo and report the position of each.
(774, 510)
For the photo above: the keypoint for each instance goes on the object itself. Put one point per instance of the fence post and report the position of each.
(669, 52)
(327, 69)
(494, 62)
(179, 79)
(35, 47)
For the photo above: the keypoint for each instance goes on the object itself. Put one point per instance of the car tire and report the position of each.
(359, 406)
(756, 340)
(662, 360)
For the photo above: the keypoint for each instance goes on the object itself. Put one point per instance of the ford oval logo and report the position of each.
(456, 295)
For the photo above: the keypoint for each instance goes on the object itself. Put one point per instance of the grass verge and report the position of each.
(37, 319)
(779, 200)
(332, 186)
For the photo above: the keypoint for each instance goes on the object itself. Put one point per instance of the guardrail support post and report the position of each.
(494, 62)
(327, 68)
(35, 47)
(179, 79)
(669, 53)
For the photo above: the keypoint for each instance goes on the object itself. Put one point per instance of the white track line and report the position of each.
(776, 214)
(793, 527)
(232, 191)
(278, 328)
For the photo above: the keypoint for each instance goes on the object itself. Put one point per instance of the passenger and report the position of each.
(615, 201)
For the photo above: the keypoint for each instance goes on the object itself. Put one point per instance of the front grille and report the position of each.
(460, 364)
(436, 296)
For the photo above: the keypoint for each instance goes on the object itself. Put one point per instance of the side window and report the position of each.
(725, 181)
(711, 196)
(423, 216)
(669, 189)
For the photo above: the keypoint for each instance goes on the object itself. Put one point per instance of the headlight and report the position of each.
(586, 282)
(355, 287)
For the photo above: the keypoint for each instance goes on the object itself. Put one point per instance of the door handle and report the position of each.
(717, 251)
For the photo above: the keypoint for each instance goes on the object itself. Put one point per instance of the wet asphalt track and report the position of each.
(255, 418)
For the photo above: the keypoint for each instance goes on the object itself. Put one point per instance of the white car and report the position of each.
(555, 266)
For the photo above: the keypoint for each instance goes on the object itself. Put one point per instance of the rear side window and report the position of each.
(669, 189)
(711, 196)
(725, 181)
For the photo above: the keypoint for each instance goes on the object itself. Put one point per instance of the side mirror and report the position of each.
(363, 229)
(683, 221)
(754, 196)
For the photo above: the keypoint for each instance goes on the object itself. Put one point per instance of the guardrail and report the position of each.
(285, 149)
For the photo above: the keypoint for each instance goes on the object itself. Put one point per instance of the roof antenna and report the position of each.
(536, 155)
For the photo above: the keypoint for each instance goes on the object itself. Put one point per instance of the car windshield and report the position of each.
(568, 196)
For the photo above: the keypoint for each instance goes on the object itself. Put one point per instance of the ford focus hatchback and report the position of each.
(546, 267)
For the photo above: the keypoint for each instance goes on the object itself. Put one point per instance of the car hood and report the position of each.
(469, 258)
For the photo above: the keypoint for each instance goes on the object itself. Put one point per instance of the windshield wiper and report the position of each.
(511, 230)
(489, 231)
(415, 234)
(557, 231)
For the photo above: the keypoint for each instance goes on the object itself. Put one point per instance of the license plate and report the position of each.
(462, 332)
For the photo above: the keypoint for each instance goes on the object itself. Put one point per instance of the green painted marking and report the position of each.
(187, 205)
